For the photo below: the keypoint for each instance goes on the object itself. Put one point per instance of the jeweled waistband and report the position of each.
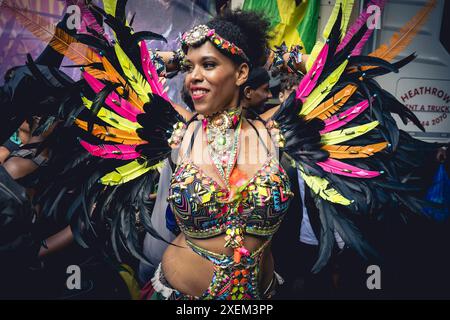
(224, 260)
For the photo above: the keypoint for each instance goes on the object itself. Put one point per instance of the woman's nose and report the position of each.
(196, 75)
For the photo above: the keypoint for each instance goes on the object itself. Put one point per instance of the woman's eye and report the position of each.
(188, 68)
(209, 65)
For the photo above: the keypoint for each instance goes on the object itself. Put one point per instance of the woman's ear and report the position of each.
(242, 74)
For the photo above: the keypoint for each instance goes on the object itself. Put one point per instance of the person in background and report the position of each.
(256, 91)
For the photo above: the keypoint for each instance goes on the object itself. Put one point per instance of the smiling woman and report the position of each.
(227, 228)
(213, 79)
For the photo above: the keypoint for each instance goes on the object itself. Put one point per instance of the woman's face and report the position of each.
(212, 79)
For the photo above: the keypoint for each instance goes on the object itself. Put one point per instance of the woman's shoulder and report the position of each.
(264, 134)
(188, 134)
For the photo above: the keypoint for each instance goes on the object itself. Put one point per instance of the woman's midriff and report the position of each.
(191, 274)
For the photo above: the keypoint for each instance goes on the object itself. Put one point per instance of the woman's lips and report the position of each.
(198, 94)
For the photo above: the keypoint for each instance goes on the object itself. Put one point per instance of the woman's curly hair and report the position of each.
(249, 30)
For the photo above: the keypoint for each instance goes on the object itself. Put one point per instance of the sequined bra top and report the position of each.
(203, 209)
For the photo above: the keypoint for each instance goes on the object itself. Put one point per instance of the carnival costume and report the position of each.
(336, 128)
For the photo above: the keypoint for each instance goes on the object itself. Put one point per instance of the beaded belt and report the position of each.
(231, 280)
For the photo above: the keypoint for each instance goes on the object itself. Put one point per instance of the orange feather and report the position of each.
(401, 39)
(57, 38)
(111, 134)
(332, 105)
(352, 152)
(114, 76)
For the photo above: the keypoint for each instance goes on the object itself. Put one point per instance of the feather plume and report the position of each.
(89, 23)
(134, 77)
(111, 151)
(347, 8)
(114, 76)
(110, 7)
(150, 72)
(338, 136)
(116, 103)
(309, 81)
(127, 173)
(352, 152)
(341, 119)
(110, 134)
(57, 38)
(400, 40)
(343, 169)
(360, 22)
(321, 187)
(112, 118)
(322, 90)
(332, 105)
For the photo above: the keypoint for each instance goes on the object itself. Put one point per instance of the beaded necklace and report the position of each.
(223, 131)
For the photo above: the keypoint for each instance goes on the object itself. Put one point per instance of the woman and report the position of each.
(214, 78)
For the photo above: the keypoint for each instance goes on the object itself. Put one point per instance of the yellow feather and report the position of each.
(322, 90)
(338, 136)
(128, 172)
(314, 53)
(110, 7)
(353, 152)
(135, 78)
(347, 8)
(322, 188)
(112, 118)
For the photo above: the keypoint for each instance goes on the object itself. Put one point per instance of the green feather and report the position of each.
(347, 8)
(135, 78)
(321, 187)
(128, 172)
(338, 136)
(112, 118)
(322, 90)
(110, 7)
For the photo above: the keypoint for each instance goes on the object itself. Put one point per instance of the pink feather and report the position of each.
(343, 169)
(111, 151)
(309, 81)
(362, 19)
(119, 105)
(343, 118)
(87, 19)
(150, 72)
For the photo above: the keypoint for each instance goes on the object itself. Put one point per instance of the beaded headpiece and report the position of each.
(201, 33)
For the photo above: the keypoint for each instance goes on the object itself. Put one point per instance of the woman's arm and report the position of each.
(56, 242)
(169, 61)
(186, 114)
(18, 167)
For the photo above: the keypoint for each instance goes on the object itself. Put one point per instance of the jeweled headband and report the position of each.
(201, 33)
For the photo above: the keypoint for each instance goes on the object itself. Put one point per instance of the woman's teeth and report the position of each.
(199, 92)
